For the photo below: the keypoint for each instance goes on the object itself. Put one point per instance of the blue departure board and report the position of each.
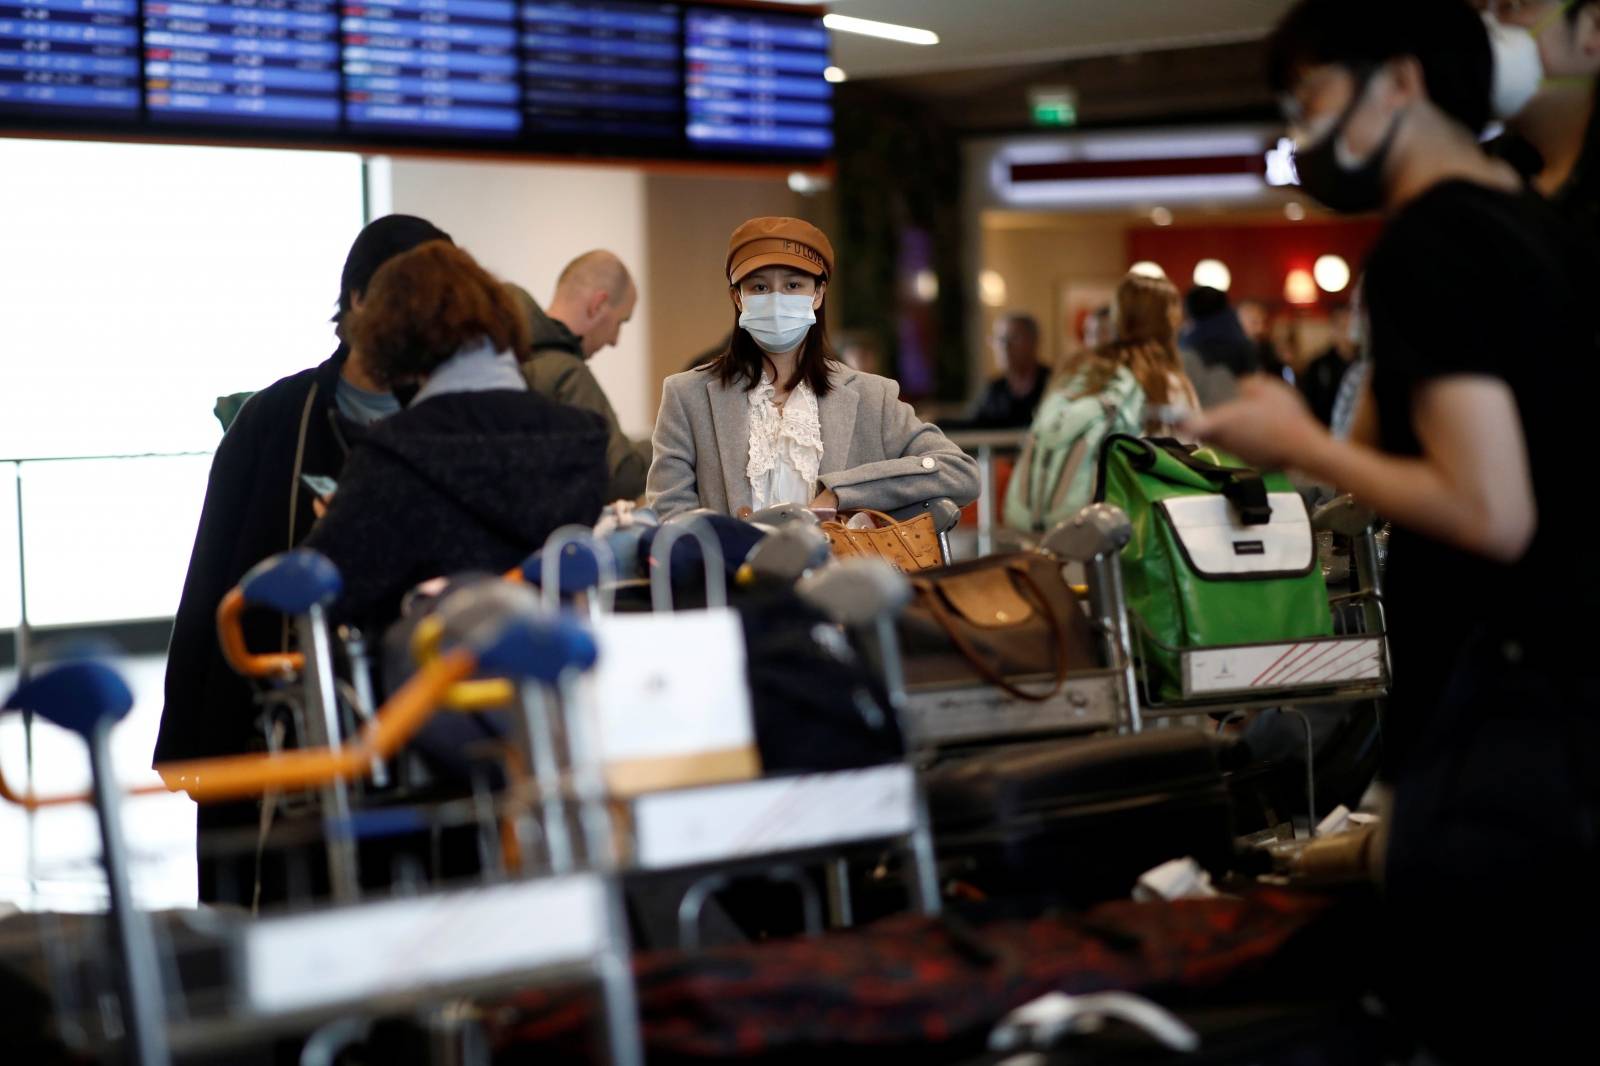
(69, 56)
(602, 69)
(648, 79)
(261, 62)
(434, 67)
(754, 81)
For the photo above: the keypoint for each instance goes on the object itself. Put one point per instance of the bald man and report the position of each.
(594, 299)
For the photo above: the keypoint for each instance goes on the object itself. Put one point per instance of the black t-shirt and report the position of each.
(1320, 383)
(1000, 408)
(1470, 281)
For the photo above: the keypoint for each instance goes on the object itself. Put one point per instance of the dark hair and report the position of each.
(743, 361)
(1203, 301)
(1025, 320)
(378, 242)
(1446, 37)
(425, 305)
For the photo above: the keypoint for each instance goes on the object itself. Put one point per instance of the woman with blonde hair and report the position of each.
(1134, 383)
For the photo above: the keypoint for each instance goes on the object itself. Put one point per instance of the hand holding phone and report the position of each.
(323, 487)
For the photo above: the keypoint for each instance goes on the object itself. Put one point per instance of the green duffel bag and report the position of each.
(1220, 554)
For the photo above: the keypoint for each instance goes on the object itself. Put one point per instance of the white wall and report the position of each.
(524, 222)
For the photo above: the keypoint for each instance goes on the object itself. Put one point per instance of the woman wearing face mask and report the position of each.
(778, 419)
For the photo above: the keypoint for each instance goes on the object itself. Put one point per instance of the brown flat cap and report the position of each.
(790, 242)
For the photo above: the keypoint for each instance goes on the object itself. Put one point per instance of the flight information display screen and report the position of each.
(433, 66)
(631, 78)
(60, 57)
(246, 61)
(607, 69)
(755, 81)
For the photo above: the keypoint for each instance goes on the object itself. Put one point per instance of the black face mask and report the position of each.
(1323, 175)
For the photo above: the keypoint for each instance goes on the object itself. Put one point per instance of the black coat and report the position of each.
(472, 481)
(256, 506)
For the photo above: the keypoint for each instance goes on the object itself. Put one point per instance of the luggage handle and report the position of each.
(929, 590)
(1245, 489)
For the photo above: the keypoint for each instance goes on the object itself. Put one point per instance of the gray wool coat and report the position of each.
(876, 452)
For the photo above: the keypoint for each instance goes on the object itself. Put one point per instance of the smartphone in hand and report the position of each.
(323, 487)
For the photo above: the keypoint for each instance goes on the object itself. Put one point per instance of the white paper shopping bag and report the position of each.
(671, 702)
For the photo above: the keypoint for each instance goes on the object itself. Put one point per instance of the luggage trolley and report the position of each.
(1294, 676)
(213, 980)
(770, 826)
(946, 716)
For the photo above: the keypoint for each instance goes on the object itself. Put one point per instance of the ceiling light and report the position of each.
(992, 288)
(1214, 274)
(804, 184)
(835, 76)
(1294, 211)
(1332, 273)
(1147, 269)
(1300, 288)
(926, 286)
(1161, 216)
(888, 31)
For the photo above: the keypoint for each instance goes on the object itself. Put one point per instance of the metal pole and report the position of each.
(624, 1039)
(1114, 609)
(547, 770)
(22, 647)
(143, 1015)
(985, 499)
(322, 715)
(366, 702)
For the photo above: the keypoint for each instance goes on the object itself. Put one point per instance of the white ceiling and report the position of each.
(985, 33)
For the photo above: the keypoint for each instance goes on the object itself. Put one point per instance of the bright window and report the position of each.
(138, 283)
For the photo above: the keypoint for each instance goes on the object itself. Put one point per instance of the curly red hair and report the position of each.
(424, 306)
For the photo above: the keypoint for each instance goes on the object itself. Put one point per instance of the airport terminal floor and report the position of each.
(786, 531)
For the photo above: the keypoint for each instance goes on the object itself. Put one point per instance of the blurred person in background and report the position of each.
(1546, 83)
(1215, 335)
(1320, 380)
(1134, 384)
(1256, 321)
(595, 297)
(1479, 301)
(1010, 400)
(1097, 329)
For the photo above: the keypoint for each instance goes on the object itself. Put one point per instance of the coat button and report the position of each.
(928, 464)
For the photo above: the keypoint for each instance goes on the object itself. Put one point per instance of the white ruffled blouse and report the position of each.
(785, 447)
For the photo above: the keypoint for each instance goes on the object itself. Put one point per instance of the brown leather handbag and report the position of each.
(908, 546)
(1003, 619)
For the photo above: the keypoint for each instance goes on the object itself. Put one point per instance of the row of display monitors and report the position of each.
(618, 76)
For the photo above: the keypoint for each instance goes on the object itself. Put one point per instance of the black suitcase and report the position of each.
(1077, 821)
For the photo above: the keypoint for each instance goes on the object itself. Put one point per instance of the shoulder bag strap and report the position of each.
(927, 590)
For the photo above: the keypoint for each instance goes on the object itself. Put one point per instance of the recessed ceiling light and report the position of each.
(1161, 216)
(835, 75)
(1332, 273)
(1213, 273)
(888, 31)
(1294, 211)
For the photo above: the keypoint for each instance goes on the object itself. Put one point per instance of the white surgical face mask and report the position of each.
(778, 321)
(1518, 67)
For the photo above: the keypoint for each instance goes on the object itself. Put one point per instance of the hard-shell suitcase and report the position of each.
(1079, 820)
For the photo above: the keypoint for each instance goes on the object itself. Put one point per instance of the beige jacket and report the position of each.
(876, 452)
